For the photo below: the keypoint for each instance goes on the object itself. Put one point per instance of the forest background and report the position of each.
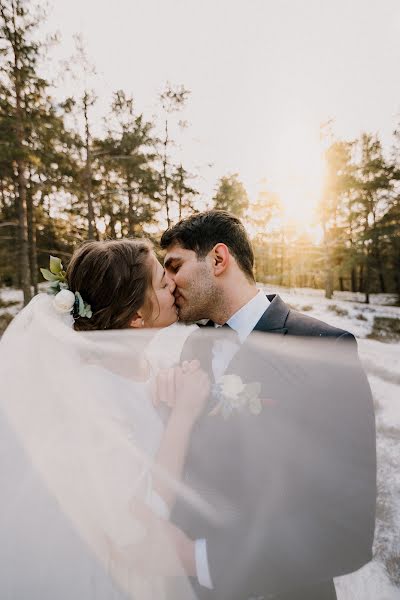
(61, 182)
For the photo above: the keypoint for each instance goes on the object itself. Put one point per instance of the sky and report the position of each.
(263, 77)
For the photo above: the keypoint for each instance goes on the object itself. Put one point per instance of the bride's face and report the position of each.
(163, 300)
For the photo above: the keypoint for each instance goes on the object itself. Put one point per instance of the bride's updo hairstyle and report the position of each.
(114, 277)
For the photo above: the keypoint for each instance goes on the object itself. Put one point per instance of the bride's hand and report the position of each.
(192, 389)
(185, 389)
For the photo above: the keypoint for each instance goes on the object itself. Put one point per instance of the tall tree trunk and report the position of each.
(361, 279)
(381, 276)
(131, 217)
(22, 198)
(180, 199)
(382, 282)
(397, 283)
(367, 281)
(180, 192)
(353, 279)
(88, 170)
(396, 264)
(33, 265)
(165, 174)
(22, 186)
(3, 199)
(282, 258)
(112, 227)
(23, 234)
(328, 266)
(376, 251)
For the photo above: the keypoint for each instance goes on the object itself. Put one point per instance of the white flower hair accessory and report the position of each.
(64, 301)
(232, 395)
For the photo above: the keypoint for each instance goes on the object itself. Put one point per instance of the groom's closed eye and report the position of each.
(172, 265)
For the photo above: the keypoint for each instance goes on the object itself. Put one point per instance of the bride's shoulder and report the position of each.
(182, 328)
(165, 348)
(177, 331)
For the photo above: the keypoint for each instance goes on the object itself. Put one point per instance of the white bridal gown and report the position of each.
(77, 436)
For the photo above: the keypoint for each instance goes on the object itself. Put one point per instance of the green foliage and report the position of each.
(359, 196)
(60, 185)
(231, 195)
(84, 309)
(125, 160)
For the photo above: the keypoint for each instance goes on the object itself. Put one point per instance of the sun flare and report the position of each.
(299, 173)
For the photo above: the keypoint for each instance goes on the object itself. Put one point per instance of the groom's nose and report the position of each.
(171, 283)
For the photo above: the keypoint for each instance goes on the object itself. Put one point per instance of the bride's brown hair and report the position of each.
(114, 277)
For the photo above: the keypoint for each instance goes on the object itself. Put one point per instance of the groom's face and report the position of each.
(195, 287)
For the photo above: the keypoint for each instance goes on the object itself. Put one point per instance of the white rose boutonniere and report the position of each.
(232, 395)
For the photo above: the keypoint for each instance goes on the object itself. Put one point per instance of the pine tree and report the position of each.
(376, 178)
(20, 88)
(80, 106)
(265, 218)
(231, 195)
(127, 155)
(335, 208)
(183, 193)
(172, 100)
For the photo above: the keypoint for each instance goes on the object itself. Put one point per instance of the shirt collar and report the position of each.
(246, 318)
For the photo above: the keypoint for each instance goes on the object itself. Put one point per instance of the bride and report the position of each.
(89, 469)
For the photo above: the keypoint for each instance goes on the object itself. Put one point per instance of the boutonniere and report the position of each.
(232, 395)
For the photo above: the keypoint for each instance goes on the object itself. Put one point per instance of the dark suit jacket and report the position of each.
(292, 490)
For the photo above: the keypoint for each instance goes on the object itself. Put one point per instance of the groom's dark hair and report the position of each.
(202, 231)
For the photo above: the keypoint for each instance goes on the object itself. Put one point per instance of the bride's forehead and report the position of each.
(157, 268)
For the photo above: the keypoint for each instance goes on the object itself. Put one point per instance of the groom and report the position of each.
(294, 487)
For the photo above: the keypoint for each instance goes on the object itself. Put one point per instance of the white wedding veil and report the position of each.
(291, 420)
(77, 435)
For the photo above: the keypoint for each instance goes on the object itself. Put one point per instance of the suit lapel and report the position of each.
(199, 345)
(274, 318)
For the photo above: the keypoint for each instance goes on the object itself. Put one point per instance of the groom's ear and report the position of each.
(220, 257)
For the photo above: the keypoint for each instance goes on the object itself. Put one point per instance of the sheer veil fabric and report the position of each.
(279, 473)
(78, 434)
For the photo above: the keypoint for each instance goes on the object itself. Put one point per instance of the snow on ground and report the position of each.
(8, 295)
(380, 580)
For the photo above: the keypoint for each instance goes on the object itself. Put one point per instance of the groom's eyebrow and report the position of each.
(171, 260)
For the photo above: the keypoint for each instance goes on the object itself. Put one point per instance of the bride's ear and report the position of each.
(137, 321)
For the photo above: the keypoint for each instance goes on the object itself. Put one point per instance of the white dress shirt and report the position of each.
(243, 322)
